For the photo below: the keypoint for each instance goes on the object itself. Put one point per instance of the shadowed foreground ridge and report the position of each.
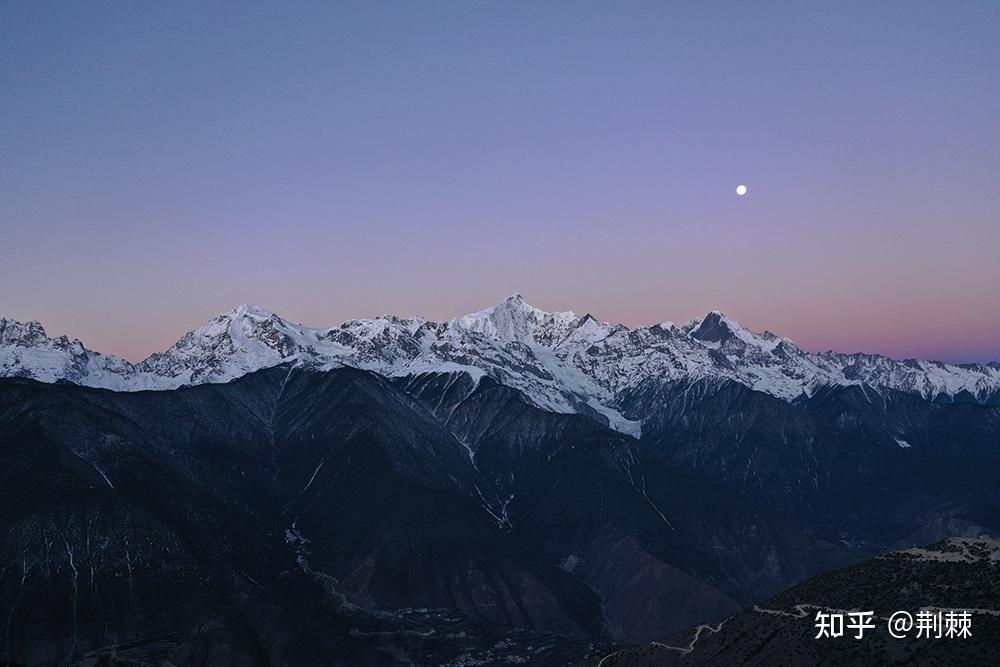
(958, 574)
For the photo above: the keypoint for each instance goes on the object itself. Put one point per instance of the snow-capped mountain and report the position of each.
(561, 361)
(26, 351)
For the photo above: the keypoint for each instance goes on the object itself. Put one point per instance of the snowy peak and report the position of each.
(251, 310)
(26, 351)
(589, 331)
(714, 328)
(718, 331)
(238, 342)
(514, 319)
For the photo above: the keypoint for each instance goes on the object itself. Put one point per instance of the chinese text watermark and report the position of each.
(924, 624)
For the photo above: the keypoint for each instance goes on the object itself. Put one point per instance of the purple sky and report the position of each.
(162, 163)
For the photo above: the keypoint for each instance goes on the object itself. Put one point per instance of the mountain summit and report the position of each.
(514, 319)
(563, 362)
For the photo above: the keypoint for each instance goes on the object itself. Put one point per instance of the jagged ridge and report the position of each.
(562, 361)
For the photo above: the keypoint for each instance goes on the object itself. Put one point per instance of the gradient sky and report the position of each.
(163, 162)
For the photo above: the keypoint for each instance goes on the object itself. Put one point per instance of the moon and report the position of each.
(741, 190)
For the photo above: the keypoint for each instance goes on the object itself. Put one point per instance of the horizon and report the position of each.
(161, 163)
(581, 314)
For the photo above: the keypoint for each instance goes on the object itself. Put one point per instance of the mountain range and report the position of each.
(563, 362)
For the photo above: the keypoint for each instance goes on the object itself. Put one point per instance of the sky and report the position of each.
(161, 163)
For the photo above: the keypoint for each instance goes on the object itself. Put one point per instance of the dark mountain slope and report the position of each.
(298, 517)
(956, 574)
(390, 509)
(875, 469)
(109, 538)
(657, 544)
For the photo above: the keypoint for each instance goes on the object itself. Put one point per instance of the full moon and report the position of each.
(741, 190)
